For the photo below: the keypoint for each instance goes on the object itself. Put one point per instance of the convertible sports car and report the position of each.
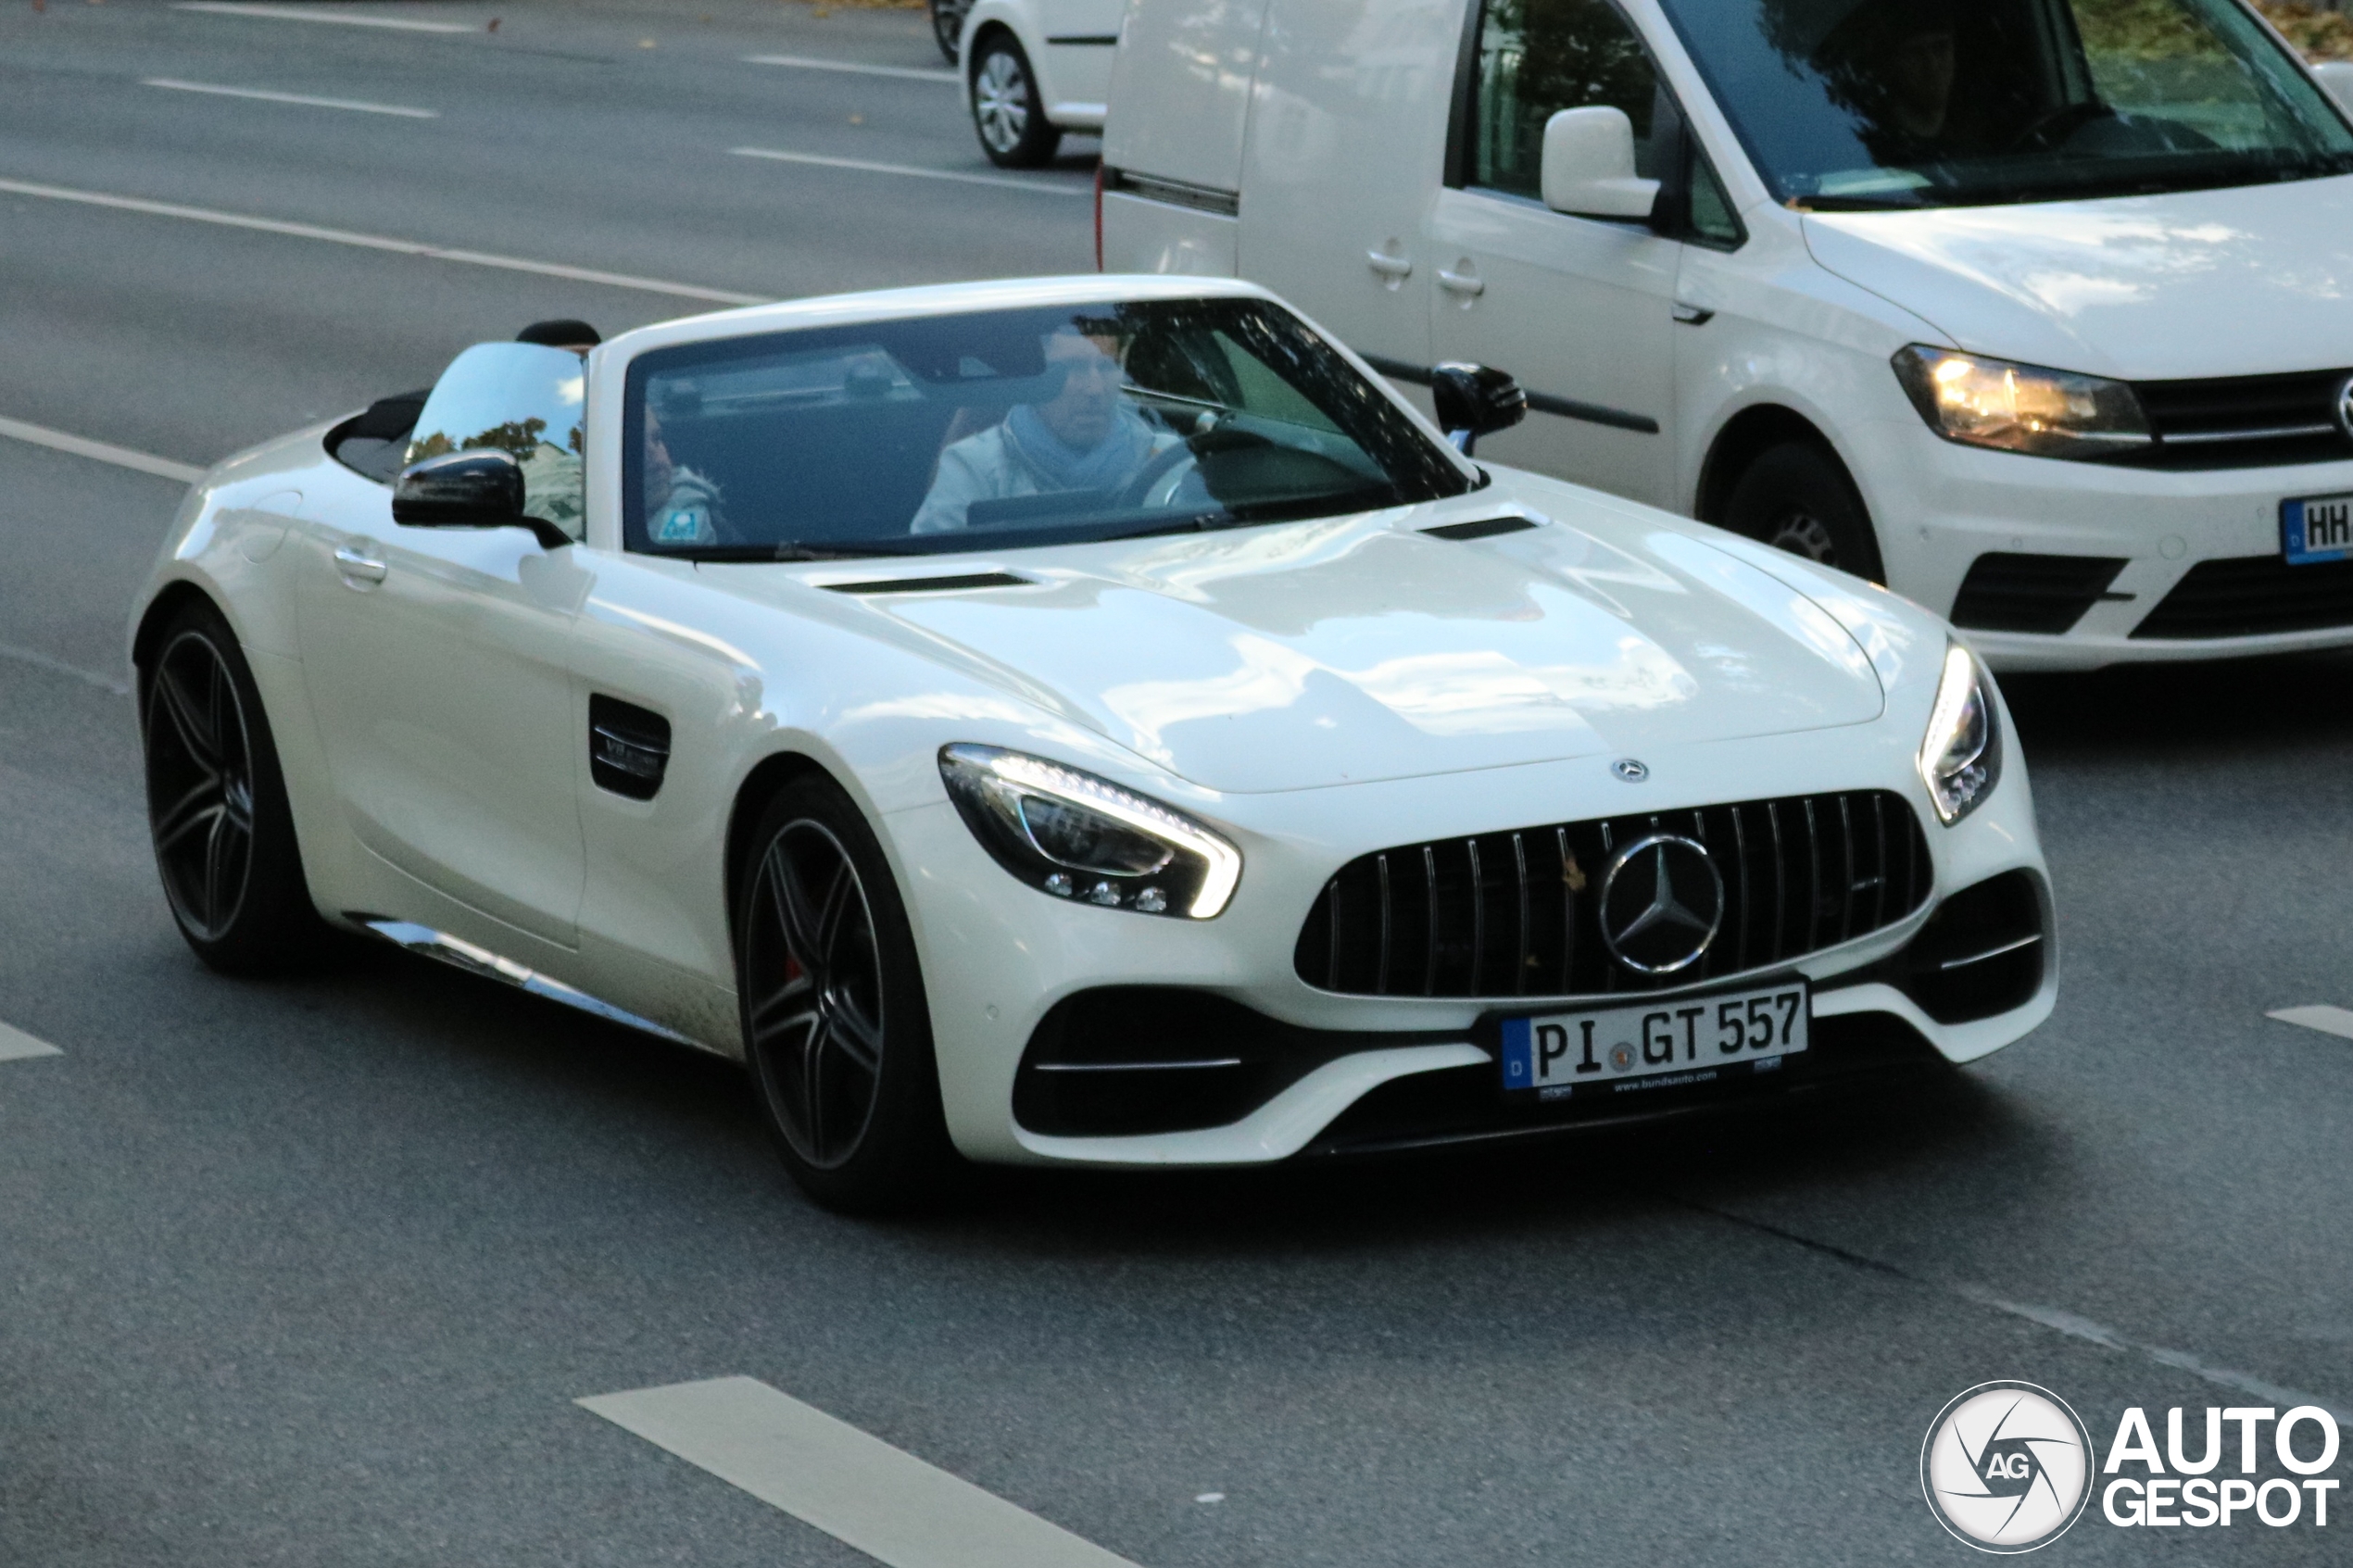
(1088, 720)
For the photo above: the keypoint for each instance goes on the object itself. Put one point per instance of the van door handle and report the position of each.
(1693, 315)
(1468, 283)
(359, 567)
(1387, 266)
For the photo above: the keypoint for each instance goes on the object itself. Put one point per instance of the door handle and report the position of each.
(1387, 266)
(1693, 315)
(357, 566)
(1467, 283)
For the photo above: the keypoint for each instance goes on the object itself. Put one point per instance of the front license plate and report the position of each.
(1657, 1045)
(2317, 528)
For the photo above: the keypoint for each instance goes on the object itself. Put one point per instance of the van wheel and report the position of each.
(836, 1029)
(1798, 497)
(1006, 110)
(216, 810)
(947, 25)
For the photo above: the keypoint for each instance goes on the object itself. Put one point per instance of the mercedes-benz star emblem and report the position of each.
(2345, 407)
(1631, 771)
(1662, 901)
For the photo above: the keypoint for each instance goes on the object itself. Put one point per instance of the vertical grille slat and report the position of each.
(1477, 919)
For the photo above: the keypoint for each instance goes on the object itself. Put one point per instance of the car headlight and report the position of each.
(2043, 413)
(1076, 836)
(1961, 754)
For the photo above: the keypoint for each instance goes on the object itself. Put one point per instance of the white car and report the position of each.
(1033, 70)
(2034, 309)
(1091, 721)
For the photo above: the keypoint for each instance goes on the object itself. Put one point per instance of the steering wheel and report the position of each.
(1165, 468)
(2058, 126)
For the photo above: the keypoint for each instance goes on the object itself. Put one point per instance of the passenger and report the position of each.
(1893, 63)
(1085, 437)
(682, 507)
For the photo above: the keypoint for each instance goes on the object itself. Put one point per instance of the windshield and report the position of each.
(1009, 428)
(1858, 104)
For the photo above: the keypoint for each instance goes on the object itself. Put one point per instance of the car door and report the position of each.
(437, 659)
(1580, 309)
(1080, 36)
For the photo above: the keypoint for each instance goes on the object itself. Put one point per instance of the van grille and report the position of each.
(2246, 421)
(2250, 596)
(1517, 914)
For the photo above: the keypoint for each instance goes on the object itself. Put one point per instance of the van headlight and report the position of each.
(1982, 401)
(1076, 836)
(1961, 754)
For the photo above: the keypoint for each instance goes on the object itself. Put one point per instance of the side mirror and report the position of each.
(1588, 165)
(1475, 400)
(2337, 77)
(479, 489)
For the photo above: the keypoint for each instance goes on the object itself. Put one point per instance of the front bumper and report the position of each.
(999, 958)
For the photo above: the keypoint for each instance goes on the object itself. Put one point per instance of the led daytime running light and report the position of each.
(1962, 701)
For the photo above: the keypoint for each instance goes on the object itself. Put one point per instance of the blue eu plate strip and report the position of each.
(1520, 1053)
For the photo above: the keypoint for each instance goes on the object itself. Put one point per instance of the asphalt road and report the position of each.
(312, 1272)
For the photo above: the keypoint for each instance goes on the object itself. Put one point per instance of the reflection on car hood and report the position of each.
(1352, 649)
(2227, 282)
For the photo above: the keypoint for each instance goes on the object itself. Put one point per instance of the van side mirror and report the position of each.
(1588, 170)
(1475, 400)
(2337, 77)
(478, 489)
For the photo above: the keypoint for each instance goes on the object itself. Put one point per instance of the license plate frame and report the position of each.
(1656, 1043)
(2334, 518)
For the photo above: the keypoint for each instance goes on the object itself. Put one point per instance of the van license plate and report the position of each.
(2317, 528)
(1657, 1045)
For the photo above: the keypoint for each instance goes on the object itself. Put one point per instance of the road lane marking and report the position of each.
(18, 1045)
(854, 1486)
(1035, 186)
(807, 62)
(59, 667)
(2064, 1322)
(2327, 1020)
(99, 451)
(304, 99)
(380, 242)
(288, 14)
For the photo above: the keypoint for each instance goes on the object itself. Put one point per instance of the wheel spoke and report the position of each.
(185, 723)
(791, 1008)
(193, 811)
(215, 857)
(832, 917)
(857, 1037)
(799, 919)
(812, 1091)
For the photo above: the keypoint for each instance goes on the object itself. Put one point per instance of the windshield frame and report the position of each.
(1435, 467)
(2089, 179)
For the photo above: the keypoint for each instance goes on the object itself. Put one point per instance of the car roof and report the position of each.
(943, 299)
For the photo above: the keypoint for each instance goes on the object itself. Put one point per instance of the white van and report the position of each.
(2040, 310)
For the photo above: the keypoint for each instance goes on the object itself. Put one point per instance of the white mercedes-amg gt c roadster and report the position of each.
(1085, 720)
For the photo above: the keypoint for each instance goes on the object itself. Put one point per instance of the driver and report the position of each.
(682, 507)
(1085, 437)
(1895, 63)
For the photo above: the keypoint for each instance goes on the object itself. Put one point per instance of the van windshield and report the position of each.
(1009, 428)
(1865, 104)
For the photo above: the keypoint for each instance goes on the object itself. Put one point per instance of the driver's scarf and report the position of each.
(1112, 462)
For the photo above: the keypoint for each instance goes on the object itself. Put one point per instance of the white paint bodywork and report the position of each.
(1314, 690)
(1065, 42)
(1338, 114)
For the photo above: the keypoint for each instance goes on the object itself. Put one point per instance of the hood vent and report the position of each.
(1482, 528)
(932, 584)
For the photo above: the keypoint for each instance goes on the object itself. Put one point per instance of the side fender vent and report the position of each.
(932, 584)
(628, 747)
(1482, 528)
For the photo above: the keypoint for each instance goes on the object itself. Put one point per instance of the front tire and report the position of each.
(1798, 497)
(217, 809)
(836, 1028)
(1007, 114)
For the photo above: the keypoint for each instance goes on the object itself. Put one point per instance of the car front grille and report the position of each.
(2250, 596)
(2048, 593)
(1517, 914)
(2245, 421)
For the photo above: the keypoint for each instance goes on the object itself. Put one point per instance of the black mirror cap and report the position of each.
(478, 489)
(1475, 400)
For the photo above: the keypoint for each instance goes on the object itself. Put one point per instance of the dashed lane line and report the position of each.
(378, 242)
(809, 62)
(39, 661)
(857, 1489)
(18, 1045)
(302, 100)
(1036, 187)
(100, 451)
(2327, 1020)
(292, 13)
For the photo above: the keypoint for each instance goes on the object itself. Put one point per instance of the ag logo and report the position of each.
(2007, 1467)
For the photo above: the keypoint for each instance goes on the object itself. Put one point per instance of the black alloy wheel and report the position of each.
(837, 1031)
(947, 25)
(1007, 114)
(1798, 497)
(217, 809)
